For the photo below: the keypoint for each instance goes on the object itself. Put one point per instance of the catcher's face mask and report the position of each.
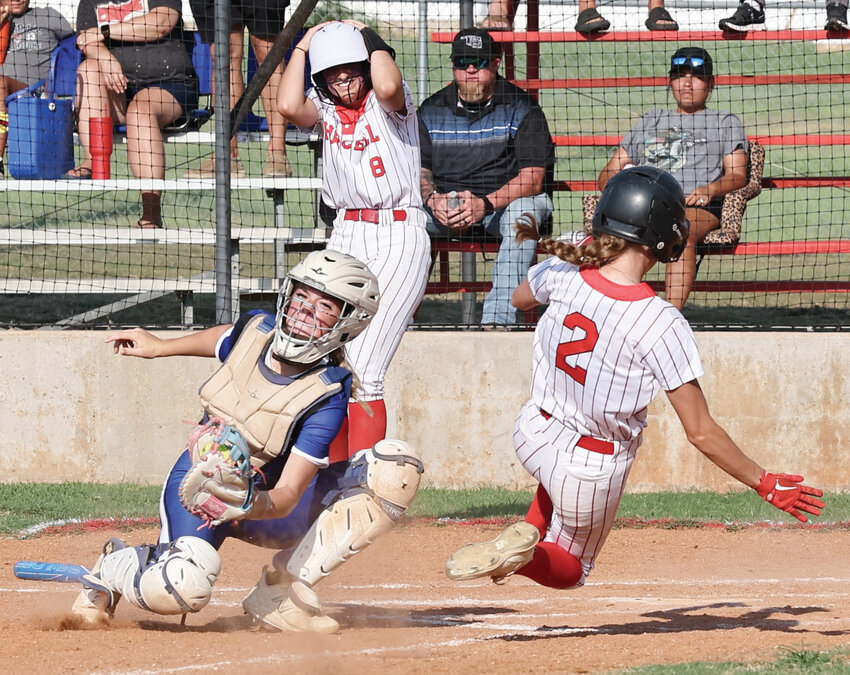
(326, 300)
(310, 313)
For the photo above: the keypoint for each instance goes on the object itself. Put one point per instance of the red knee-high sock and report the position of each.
(540, 512)
(553, 567)
(365, 428)
(339, 445)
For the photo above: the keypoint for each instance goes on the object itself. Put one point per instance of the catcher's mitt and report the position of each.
(219, 485)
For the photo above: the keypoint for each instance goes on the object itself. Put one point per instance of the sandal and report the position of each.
(656, 16)
(148, 225)
(79, 173)
(590, 21)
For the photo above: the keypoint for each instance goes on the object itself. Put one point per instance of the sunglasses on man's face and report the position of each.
(463, 62)
(691, 61)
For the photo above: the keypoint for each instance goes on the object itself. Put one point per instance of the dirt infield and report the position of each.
(656, 596)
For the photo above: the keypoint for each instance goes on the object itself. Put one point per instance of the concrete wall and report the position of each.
(72, 410)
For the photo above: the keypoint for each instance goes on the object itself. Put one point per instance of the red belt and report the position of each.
(371, 215)
(588, 442)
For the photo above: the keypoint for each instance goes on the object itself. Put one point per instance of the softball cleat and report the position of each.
(96, 603)
(285, 607)
(499, 558)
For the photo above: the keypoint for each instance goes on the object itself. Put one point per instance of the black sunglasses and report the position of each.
(463, 62)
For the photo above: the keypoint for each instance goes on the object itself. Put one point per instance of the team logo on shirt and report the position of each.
(333, 137)
(668, 150)
(115, 12)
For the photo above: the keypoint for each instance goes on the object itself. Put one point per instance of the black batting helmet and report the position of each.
(647, 206)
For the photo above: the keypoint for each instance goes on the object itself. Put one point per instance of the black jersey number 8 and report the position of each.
(579, 346)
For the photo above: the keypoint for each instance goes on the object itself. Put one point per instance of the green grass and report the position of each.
(797, 660)
(29, 504)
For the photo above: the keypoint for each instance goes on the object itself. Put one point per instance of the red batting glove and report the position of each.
(786, 494)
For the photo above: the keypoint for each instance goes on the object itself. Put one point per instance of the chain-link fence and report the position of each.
(120, 228)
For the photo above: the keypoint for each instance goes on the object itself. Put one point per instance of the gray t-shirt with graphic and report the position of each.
(690, 147)
(32, 38)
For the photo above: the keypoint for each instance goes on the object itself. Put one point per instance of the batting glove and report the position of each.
(786, 494)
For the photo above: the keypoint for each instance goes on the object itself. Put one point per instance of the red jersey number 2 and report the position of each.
(579, 346)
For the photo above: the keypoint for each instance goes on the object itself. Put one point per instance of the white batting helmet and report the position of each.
(340, 276)
(335, 44)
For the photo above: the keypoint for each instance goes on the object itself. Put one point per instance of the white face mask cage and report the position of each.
(289, 346)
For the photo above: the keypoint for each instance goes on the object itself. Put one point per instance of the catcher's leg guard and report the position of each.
(377, 488)
(498, 558)
(375, 492)
(96, 602)
(178, 581)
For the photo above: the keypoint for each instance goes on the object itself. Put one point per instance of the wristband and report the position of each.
(375, 43)
(488, 206)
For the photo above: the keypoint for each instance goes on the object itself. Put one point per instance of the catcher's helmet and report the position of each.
(647, 206)
(333, 45)
(341, 276)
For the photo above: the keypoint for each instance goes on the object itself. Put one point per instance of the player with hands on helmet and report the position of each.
(604, 347)
(370, 178)
(257, 466)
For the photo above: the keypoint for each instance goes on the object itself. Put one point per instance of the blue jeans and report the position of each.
(513, 259)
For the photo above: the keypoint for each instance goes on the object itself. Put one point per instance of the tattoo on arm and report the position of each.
(427, 185)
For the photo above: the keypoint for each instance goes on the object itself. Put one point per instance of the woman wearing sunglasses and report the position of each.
(705, 150)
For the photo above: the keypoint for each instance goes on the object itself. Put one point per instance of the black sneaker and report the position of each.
(744, 17)
(836, 17)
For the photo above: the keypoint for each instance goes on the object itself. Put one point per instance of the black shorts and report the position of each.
(186, 94)
(262, 18)
(714, 207)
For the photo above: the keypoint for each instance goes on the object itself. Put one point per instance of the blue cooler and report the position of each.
(41, 133)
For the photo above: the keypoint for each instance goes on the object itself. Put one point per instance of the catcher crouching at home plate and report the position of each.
(257, 467)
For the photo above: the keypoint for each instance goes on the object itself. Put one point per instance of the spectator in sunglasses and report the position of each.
(705, 150)
(487, 160)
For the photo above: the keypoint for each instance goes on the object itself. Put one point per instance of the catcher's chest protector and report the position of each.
(262, 411)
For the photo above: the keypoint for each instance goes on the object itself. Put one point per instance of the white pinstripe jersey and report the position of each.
(371, 157)
(603, 351)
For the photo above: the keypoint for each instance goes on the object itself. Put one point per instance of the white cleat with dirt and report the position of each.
(499, 558)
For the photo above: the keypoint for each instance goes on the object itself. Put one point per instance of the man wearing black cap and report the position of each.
(705, 150)
(487, 159)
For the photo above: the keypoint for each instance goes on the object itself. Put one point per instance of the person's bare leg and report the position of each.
(237, 85)
(277, 163)
(680, 275)
(93, 100)
(501, 14)
(149, 111)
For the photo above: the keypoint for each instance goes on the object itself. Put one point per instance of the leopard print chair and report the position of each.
(732, 211)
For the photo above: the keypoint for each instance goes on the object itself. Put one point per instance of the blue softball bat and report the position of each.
(49, 571)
